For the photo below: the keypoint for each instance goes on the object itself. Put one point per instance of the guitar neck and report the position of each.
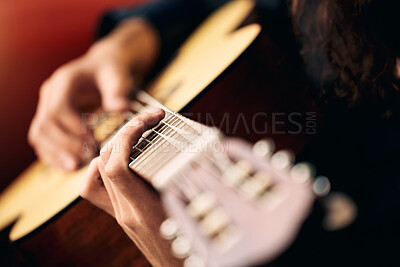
(164, 150)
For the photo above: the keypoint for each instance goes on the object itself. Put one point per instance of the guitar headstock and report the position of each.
(237, 205)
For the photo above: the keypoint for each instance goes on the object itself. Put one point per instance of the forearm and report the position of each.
(156, 249)
(134, 41)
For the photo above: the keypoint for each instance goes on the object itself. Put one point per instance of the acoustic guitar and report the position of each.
(206, 81)
(230, 205)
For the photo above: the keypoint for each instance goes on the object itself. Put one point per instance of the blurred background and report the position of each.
(36, 37)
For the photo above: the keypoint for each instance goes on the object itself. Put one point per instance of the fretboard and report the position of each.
(166, 148)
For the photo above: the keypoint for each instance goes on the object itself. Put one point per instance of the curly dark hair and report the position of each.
(350, 49)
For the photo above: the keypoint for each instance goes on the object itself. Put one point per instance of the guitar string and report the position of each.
(162, 128)
(147, 153)
(176, 130)
(193, 182)
(162, 139)
(180, 123)
(156, 158)
(171, 143)
(146, 146)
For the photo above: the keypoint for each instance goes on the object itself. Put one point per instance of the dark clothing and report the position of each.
(357, 150)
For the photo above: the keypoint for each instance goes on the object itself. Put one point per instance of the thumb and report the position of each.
(114, 86)
(93, 189)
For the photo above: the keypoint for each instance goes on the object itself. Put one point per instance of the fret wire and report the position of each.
(147, 99)
(225, 163)
(143, 156)
(160, 161)
(148, 156)
(149, 159)
(144, 161)
(144, 148)
(177, 123)
(188, 141)
(155, 136)
(135, 155)
(142, 145)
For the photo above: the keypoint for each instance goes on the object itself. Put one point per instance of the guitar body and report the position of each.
(251, 98)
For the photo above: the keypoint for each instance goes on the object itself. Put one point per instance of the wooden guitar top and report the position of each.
(41, 192)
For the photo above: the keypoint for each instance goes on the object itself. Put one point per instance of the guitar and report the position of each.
(53, 226)
(230, 204)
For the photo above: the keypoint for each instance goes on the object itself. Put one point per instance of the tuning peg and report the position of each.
(282, 159)
(245, 166)
(236, 173)
(194, 260)
(214, 222)
(264, 148)
(181, 246)
(256, 185)
(271, 198)
(169, 229)
(202, 204)
(301, 173)
(321, 186)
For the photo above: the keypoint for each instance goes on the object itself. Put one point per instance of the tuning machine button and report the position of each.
(282, 159)
(181, 246)
(169, 229)
(194, 260)
(321, 186)
(301, 173)
(264, 148)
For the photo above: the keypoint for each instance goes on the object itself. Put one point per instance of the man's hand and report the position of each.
(113, 187)
(107, 72)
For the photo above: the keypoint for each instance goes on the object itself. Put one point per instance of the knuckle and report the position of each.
(32, 134)
(137, 124)
(35, 131)
(52, 112)
(63, 72)
(44, 89)
(113, 171)
(104, 153)
(41, 127)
